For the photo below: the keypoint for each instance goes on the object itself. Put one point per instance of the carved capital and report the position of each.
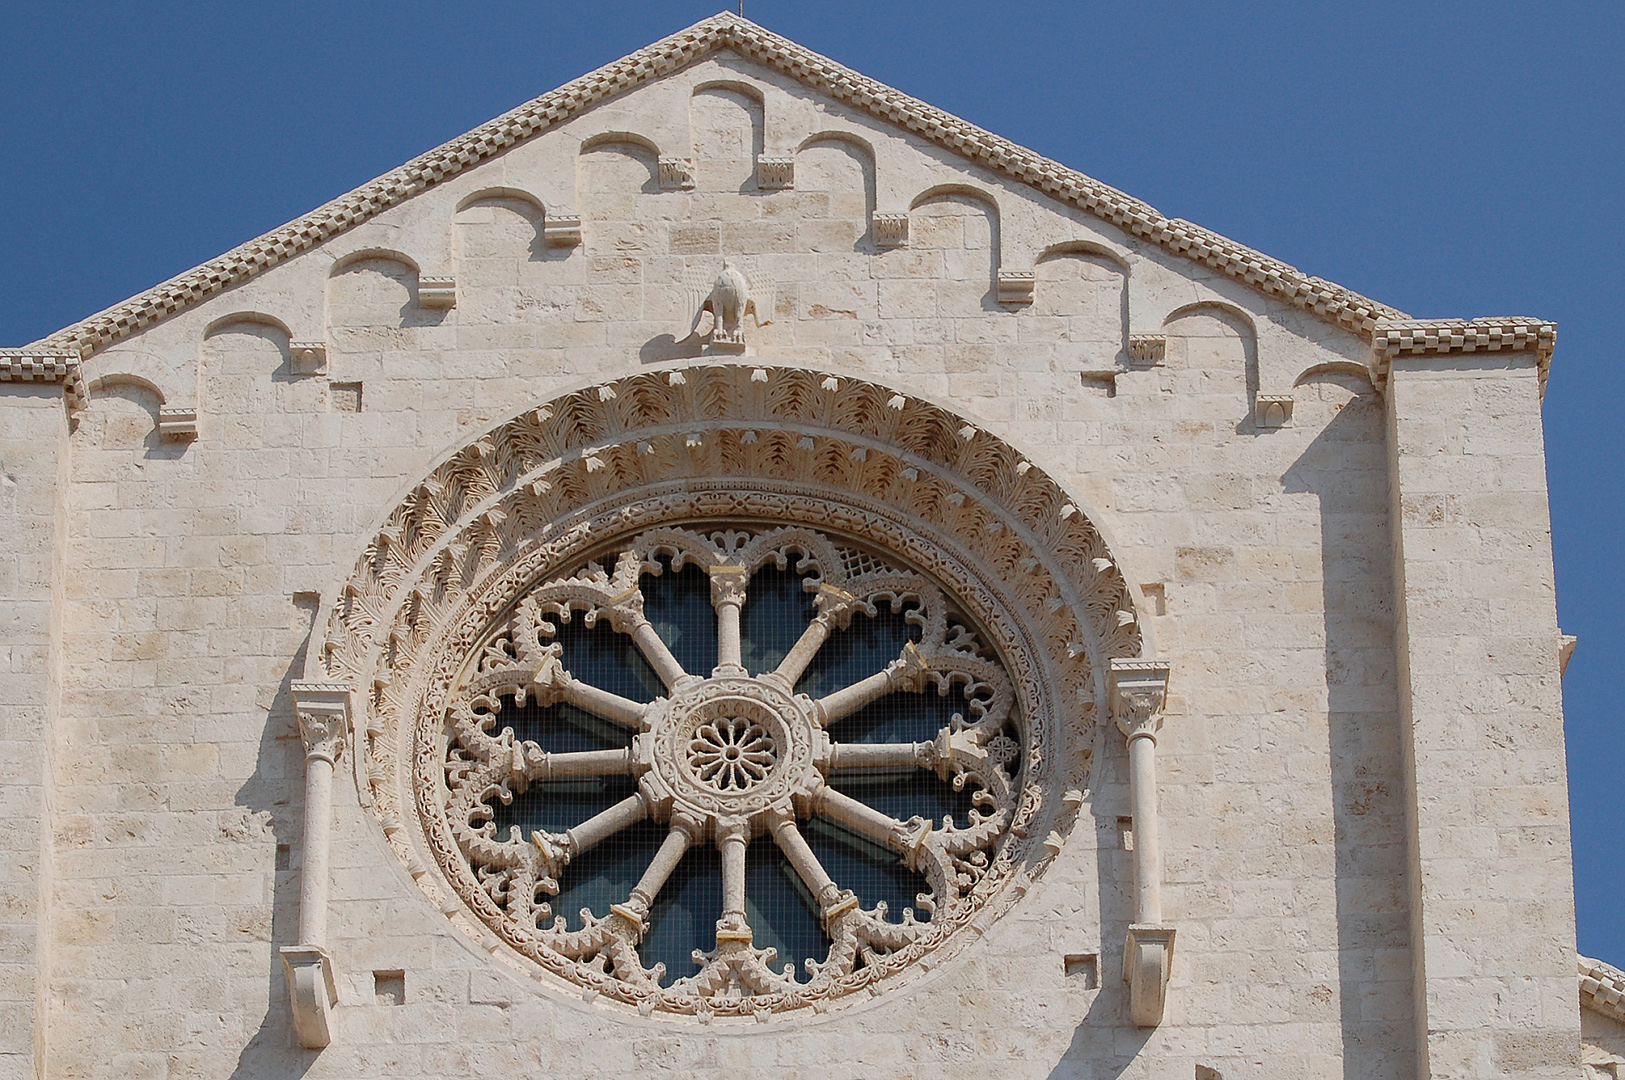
(1139, 688)
(728, 584)
(323, 709)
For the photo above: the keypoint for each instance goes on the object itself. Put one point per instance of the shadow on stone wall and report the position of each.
(273, 1050)
(1373, 936)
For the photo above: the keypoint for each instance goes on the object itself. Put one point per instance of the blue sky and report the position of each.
(1445, 158)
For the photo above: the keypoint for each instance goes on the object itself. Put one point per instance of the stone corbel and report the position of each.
(676, 174)
(307, 357)
(438, 292)
(177, 423)
(1139, 689)
(1271, 411)
(890, 229)
(775, 172)
(1016, 286)
(561, 230)
(323, 710)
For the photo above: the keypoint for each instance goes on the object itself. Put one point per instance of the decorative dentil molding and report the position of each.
(1270, 276)
(1392, 338)
(1147, 350)
(775, 173)
(1602, 988)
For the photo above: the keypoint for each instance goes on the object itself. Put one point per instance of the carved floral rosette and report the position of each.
(531, 500)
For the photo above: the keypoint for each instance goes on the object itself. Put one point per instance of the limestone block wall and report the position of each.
(1260, 547)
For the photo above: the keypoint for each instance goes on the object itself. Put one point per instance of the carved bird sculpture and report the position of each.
(722, 313)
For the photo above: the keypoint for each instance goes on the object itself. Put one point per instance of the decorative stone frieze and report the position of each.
(1146, 350)
(1272, 411)
(890, 230)
(307, 357)
(1016, 286)
(676, 174)
(437, 292)
(775, 172)
(562, 230)
(177, 423)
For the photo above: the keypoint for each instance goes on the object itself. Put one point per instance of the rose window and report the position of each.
(731, 768)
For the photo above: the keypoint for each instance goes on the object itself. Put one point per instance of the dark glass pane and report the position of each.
(607, 660)
(905, 793)
(900, 717)
(558, 805)
(777, 611)
(605, 875)
(853, 654)
(685, 914)
(781, 912)
(679, 607)
(872, 872)
(562, 728)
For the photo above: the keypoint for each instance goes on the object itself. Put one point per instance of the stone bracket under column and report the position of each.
(1148, 957)
(311, 992)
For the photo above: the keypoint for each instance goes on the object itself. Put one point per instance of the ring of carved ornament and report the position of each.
(914, 488)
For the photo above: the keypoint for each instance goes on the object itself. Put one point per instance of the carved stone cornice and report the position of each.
(47, 367)
(1139, 689)
(1393, 338)
(323, 711)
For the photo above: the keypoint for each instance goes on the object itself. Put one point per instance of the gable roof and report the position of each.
(1322, 298)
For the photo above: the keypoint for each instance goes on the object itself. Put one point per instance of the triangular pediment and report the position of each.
(728, 32)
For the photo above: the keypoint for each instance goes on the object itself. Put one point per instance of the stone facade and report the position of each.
(1265, 566)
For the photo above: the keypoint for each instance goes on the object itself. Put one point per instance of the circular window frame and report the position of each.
(717, 443)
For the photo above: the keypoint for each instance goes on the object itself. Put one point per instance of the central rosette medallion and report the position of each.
(731, 748)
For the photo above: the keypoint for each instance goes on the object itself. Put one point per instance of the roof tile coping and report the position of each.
(1315, 295)
(1602, 988)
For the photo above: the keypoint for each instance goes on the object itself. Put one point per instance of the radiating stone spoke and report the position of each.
(834, 610)
(672, 849)
(728, 586)
(612, 707)
(732, 839)
(825, 892)
(592, 832)
(655, 649)
(913, 755)
(864, 820)
(904, 673)
(576, 764)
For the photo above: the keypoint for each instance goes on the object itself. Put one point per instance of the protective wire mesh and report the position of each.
(780, 910)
